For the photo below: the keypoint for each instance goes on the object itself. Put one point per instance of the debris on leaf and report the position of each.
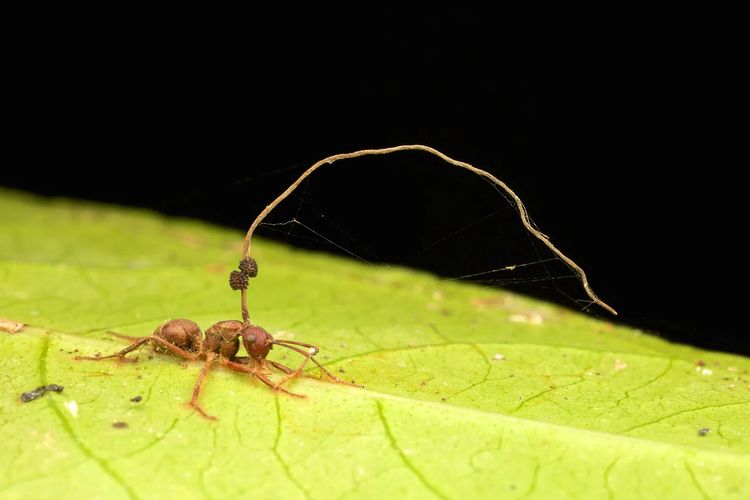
(136, 399)
(119, 425)
(620, 365)
(704, 431)
(498, 357)
(490, 303)
(10, 326)
(72, 407)
(40, 391)
(32, 395)
(532, 319)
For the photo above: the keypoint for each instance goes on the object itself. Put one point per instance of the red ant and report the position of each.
(183, 338)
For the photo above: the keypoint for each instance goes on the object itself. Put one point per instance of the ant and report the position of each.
(183, 338)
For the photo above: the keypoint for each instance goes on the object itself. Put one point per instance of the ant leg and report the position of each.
(246, 369)
(210, 357)
(138, 343)
(172, 348)
(120, 354)
(291, 374)
(281, 367)
(309, 357)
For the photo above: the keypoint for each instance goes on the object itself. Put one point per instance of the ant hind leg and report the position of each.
(120, 354)
(178, 351)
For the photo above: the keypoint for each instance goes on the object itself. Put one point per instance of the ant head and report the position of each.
(257, 342)
(223, 338)
(182, 333)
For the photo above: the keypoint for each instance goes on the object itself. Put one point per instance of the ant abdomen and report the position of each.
(181, 333)
(223, 338)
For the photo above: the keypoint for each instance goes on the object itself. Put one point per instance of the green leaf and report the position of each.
(469, 392)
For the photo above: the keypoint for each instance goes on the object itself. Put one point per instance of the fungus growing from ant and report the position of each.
(221, 341)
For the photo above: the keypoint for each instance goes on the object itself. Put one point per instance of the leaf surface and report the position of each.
(469, 392)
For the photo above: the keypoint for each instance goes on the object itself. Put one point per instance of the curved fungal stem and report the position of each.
(523, 214)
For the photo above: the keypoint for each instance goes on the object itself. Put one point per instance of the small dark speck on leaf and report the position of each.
(700, 362)
(704, 431)
(341, 370)
(442, 399)
(136, 399)
(119, 425)
(40, 391)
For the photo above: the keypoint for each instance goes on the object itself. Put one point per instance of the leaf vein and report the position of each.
(409, 465)
(683, 412)
(277, 440)
(103, 465)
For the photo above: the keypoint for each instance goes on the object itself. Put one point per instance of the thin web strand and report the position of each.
(511, 267)
(319, 235)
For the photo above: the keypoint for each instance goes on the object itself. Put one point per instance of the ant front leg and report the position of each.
(311, 351)
(255, 372)
(281, 367)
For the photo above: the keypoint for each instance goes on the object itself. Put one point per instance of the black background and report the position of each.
(620, 136)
